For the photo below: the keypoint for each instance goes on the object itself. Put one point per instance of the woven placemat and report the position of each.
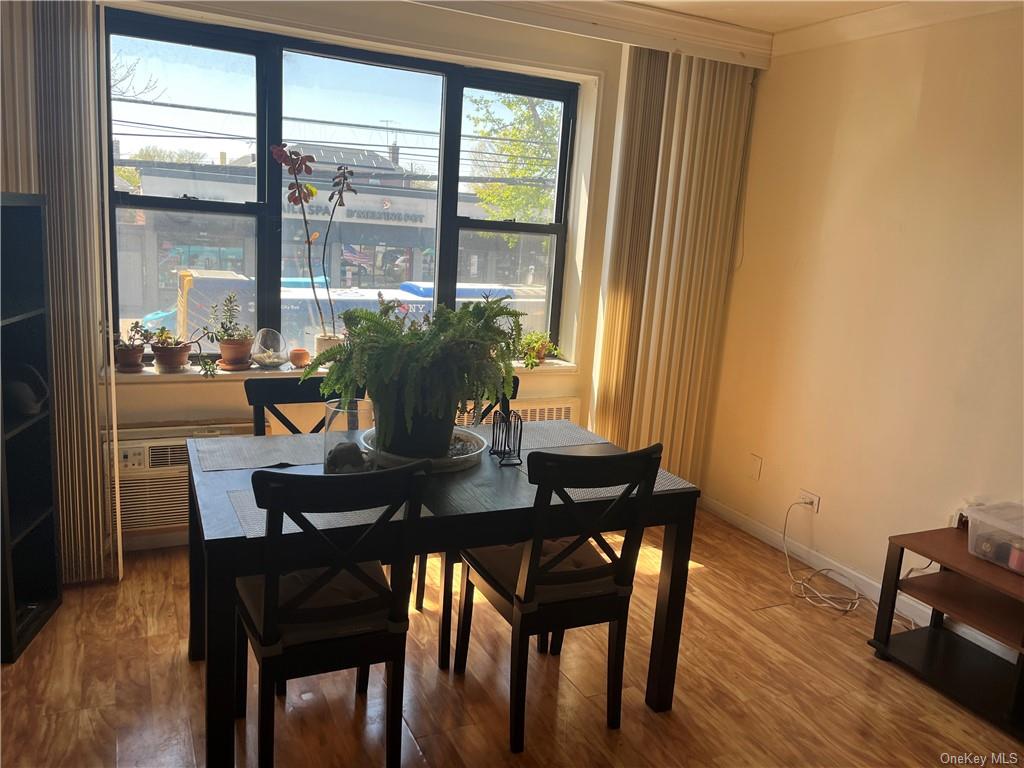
(548, 434)
(222, 453)
(254, 520)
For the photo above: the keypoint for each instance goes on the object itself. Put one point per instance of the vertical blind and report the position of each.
(67, 99)
(705, 116)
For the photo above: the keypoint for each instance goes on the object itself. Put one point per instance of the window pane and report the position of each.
(172, 266)
(184, 120)
(508, 264)
(384, 124)
(508, 161)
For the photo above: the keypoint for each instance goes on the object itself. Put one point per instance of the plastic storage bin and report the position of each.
(996, 533)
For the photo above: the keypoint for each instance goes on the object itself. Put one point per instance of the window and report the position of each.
(441, 215)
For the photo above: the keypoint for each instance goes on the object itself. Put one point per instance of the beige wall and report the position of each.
(418, 30)
(873, 352)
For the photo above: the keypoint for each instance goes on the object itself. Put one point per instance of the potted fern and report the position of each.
(419, 374)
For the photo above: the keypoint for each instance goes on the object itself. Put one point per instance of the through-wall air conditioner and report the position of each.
(154, 481)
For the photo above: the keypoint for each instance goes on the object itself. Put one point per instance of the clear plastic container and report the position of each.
(996, 533)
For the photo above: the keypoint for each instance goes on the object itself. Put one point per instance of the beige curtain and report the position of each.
(69, 164)
(707, 112)
(19, 171)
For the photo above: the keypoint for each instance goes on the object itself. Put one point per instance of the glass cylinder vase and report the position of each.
(345, 422)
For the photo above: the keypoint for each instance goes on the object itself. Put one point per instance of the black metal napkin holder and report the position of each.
(507, 438)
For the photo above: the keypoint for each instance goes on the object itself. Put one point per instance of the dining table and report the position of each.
(484, 505)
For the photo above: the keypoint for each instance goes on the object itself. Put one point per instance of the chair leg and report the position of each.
(421, 580)
(465, 621)
(542, 642)
(616, 661)
(363, 679)
(556, 641)
(517, 687)
(394, 679)
(265, 721)
(241, 667)
(444, 634)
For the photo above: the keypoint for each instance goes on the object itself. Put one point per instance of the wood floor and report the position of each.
(764, 680)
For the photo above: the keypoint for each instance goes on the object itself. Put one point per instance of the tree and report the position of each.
(518, 144)
(152, 152)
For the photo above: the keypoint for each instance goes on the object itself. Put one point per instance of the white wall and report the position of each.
(418, 30)
(873, 351)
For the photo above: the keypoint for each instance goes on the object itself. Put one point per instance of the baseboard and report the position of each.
(906, 606)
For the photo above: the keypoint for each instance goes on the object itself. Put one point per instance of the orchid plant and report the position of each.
(299, 193)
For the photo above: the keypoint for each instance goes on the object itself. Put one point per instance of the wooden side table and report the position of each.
(971, 591)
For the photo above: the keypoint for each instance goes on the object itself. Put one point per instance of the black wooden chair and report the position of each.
(550, 585)
(310, 622)
(267, 393)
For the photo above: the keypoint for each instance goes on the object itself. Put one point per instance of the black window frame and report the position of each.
(268, 50)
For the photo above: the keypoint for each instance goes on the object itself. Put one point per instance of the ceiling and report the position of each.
(768, 16)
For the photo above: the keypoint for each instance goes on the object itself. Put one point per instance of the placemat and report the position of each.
(548, 434)
(220, 453)
(254, 520)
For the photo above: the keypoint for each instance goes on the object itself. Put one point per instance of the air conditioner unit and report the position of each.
(154, 481)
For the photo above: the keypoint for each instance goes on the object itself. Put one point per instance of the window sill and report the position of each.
(149, 375)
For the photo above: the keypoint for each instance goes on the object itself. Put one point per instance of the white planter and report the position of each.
(324, 342)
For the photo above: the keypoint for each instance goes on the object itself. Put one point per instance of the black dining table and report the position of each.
(476, 507)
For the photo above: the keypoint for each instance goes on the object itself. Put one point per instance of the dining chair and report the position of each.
(266, 393)
(447, 576)
(347, 614)
(549, 585)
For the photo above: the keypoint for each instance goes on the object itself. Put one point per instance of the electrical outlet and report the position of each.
(811, 498)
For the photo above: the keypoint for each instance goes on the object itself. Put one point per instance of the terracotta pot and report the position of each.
(234, 353)
(323, 342)
(129, 359)
(299, 357)
(171, 359)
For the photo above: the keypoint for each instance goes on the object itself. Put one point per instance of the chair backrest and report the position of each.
(266, 393)
(485, 411)
(633, 476)
(302, 497)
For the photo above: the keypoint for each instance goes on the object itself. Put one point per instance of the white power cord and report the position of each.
(803, 588)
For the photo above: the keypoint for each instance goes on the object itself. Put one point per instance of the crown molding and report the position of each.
(624, 22)
(899, 17)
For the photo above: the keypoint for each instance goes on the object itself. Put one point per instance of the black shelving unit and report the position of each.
(31, 581)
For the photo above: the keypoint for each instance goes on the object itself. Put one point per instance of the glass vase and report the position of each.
(345, 423)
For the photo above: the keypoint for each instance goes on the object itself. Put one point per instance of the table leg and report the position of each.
(444, 634)
(668, 614)
(220, 663)
(196, 583)
(887, 600)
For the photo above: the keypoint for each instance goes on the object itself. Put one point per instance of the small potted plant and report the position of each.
(235, 339)
(535, 347)
(129, 348)
(170, 352)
